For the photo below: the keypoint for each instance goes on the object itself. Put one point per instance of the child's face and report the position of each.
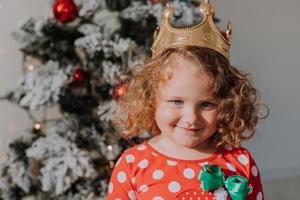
(186, 99)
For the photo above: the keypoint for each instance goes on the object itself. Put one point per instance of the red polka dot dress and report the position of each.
(144, 173)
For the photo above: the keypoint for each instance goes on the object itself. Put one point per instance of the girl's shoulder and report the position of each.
(138, 150)
(134, 154)
(238, 160)
(238, 152)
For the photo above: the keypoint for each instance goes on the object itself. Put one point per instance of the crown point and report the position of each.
(168, 5)
(229, 31)
(206, 8)
(168, 11)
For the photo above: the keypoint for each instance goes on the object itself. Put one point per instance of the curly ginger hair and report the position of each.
(238, 105)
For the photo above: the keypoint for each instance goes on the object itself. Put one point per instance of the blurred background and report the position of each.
(265, 43)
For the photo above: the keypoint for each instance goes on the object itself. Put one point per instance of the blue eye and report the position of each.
(207, 104)
(177, 102)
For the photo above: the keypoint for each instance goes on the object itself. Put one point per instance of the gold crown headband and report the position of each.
(205, 34)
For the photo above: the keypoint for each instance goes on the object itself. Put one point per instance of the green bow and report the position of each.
(212, 178)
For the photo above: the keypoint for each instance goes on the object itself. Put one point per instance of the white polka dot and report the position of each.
(228, 147)
(243, 159)
(174, 186)
(251, 189)
(220, 193)
(133, 180)
(259, 196)
(129, 158)
(157, 174)
(121, 177)
(144, 188)
(141, 147)
(158, 198)
(143, 164)
(188, 173)
(171, 163)
(110, 187)
(254, 170)
(131, 195)
(231, 167)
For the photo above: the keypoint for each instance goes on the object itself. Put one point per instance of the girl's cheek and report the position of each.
(211, 117)
(167, 114)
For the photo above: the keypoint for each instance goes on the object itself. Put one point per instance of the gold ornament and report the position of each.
(205, 34)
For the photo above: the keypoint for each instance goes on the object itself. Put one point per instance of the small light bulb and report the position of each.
(37, 126)
(30, 67)
(109, 147)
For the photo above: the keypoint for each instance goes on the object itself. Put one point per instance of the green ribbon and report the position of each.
(213, 178)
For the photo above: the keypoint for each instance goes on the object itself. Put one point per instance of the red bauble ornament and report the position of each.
(120, 90)
(79, 76)
(65, 10)
(158, 1)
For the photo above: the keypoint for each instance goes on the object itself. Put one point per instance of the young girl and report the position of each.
(199, 109)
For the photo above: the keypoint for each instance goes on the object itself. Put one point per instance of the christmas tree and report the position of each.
(78, 58)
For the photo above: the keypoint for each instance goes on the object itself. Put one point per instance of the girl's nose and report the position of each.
(192, 116)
